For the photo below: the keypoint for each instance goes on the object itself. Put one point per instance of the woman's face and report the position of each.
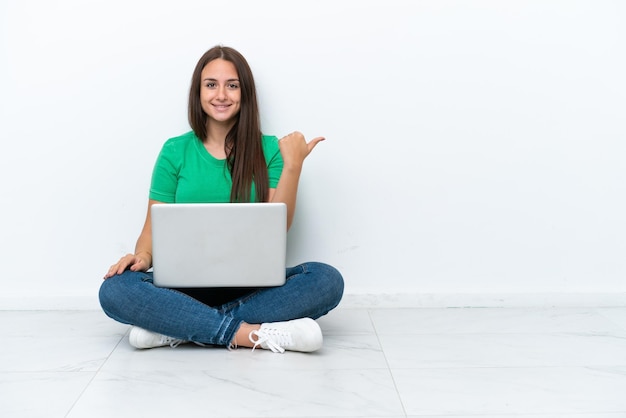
(220, 93)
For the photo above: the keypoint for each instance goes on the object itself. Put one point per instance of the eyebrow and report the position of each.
(215, 79)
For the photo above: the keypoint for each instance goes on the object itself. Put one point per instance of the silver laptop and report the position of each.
(219, 244)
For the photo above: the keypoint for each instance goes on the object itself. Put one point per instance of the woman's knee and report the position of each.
(117, 290)
(329, 281)
(108, 294)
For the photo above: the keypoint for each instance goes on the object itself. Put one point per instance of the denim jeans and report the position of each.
(311, 290)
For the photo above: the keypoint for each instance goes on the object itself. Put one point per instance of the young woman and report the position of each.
(225, 158)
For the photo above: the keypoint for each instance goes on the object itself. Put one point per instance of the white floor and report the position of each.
(375, 363)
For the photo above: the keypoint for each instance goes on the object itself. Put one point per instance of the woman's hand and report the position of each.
(294, 148)
(134, 262)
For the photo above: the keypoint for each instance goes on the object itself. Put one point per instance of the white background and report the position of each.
(473, 147)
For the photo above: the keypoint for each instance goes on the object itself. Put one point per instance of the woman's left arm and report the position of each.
(294, 149)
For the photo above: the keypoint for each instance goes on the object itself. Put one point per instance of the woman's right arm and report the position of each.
(142, 259)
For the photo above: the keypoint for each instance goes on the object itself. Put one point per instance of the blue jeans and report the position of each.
(312, 290)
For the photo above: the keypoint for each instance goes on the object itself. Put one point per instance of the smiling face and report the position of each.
(220, 92)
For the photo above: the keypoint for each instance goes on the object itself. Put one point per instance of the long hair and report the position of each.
(243, 147)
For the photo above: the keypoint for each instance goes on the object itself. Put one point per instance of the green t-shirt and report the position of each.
(185, 172)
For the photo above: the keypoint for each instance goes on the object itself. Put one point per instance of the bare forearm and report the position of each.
(143, 248)
(287, 190)
(142, 259)
(294, 149)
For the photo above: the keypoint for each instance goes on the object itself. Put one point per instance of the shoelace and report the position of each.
(172, 342)
(274, 339)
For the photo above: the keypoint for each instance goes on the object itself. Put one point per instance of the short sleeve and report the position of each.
(274, 160)
(165, 175)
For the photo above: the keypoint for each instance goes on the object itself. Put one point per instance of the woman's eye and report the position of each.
(233, 86)
(210, 85)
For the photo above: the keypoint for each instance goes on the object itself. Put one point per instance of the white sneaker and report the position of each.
(297, 335)
(141, 338)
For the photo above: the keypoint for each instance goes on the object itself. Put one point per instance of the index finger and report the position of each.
(117, 268)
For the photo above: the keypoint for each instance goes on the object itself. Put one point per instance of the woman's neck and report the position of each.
(216, 133)
(215, 141)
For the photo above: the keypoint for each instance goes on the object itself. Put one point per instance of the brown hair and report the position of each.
(244, 148)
